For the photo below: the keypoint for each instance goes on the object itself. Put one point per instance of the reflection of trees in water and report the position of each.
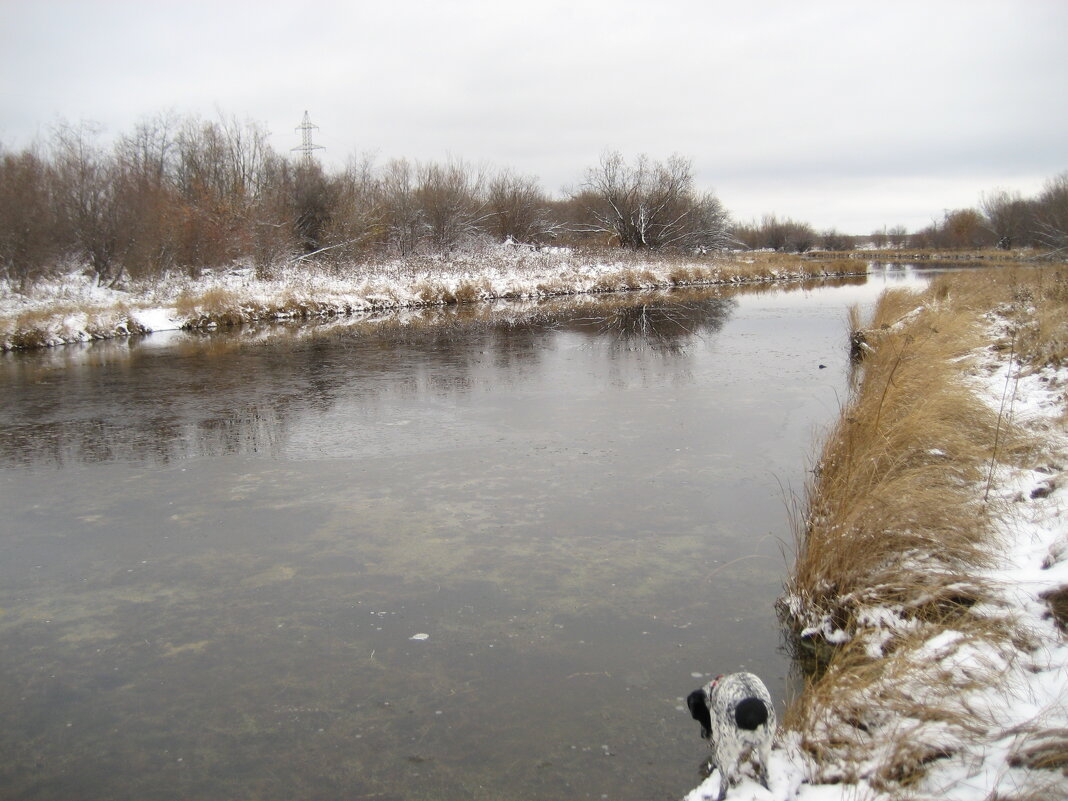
(146, 440)
(664, 322)
(241, 391)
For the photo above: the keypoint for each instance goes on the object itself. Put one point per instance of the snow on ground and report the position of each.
(72, 308)
(1018, 696)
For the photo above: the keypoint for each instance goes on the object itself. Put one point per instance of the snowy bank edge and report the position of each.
(75, 310)
(1030, 695)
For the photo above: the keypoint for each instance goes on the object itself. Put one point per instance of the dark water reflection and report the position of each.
(215, 550)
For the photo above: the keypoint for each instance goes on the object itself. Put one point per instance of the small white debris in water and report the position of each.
(697, 675)
(420, 637)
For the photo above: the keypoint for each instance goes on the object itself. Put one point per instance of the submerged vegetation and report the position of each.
(924, 495)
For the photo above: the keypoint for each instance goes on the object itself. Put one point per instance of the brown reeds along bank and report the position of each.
(900, 599)
(894, 481)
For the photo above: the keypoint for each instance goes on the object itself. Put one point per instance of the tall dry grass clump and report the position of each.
(899, 524)
(214, 303)
(1032, 302)
(891, 520)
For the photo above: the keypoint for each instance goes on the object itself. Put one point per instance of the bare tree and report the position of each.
(782, 235)
(449, 197)
(1007, 216)
(963, 228)
(148, 152)
(897, 236)
(651, 204)
(245, 152)
(144, 172)
(1052, 214)
(27, 235)
(832, 240)
(86, 192)
(219, 172)
(358, 220)
(312, 200)
(403, 224)
(517, 209)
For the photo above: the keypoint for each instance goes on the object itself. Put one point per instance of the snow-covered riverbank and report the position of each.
(976, 708)
(74, 309)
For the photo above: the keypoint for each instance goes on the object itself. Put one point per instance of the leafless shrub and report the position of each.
(517, 210)
(449, 200)
(1052, 215)
(27, 244)
(651, 204)
(780, 235)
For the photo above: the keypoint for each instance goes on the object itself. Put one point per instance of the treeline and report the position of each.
(1002, 219)
(184, 194)
(181, 193)
(1006, 220)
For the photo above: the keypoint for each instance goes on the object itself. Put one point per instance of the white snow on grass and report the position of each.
(73, 308)
(1011, 695)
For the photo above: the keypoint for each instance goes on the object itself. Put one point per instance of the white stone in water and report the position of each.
(420, 636)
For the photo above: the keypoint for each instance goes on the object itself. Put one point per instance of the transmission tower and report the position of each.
(306, 146)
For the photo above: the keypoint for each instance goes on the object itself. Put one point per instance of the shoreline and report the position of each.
(931, 575)
(72, 309)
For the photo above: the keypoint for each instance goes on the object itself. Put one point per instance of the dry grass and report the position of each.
(896, 523)
(991, 257)
(891, 514)
(1042, 749)
(34, 328)
(214, 302)
(1057, 601)
(1034, 302)
(887, 719)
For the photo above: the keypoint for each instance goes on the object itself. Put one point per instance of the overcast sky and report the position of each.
(851, 115)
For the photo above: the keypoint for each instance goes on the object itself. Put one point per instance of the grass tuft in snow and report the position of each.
(1042, 749)
(1057, 600)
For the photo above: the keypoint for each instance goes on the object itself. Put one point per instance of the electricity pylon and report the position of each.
(306, 146)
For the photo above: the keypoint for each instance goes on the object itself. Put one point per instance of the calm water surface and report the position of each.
(215, 551)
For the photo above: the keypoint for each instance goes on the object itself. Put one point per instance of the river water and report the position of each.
(459, 554)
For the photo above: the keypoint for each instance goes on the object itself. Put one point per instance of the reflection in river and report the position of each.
(239, 399)
(216, 549)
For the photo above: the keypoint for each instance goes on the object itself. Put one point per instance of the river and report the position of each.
(459, 554)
